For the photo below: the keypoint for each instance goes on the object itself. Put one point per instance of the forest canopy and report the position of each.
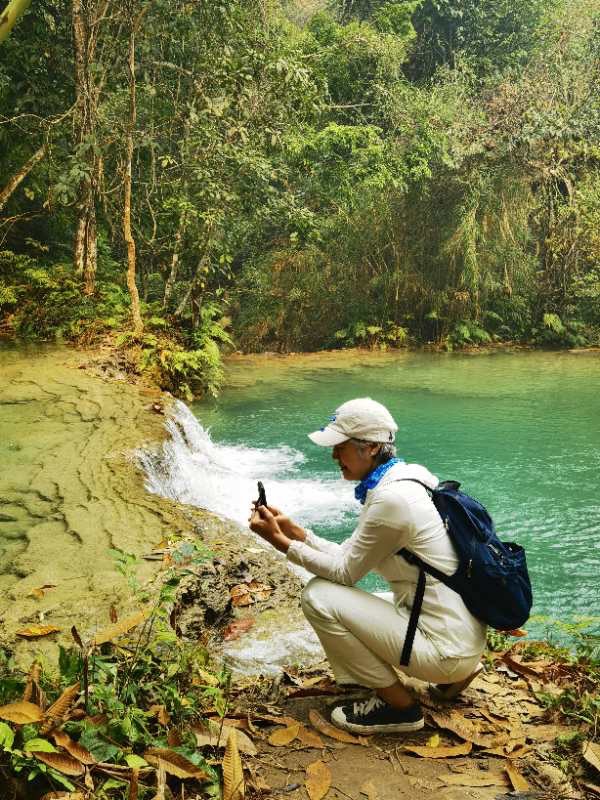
(267, 175)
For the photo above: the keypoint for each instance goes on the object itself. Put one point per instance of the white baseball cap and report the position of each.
(362, 418)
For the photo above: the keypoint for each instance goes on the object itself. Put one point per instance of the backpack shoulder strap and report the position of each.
(413, 620)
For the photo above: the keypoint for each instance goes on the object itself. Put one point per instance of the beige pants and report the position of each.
(363, 634)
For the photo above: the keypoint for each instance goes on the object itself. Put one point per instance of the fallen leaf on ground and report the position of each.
(260, 590)
(233, 773)
(174, 763)
(60, 707)
(518, 782)
(441, 752)
(161, 714)
(62, 796)
(591, 753)
(310, 738)
(61, 762)
(472, 779)
(317, 721)
(241, 596)
(283, 736)
(40, 591)
(216, 736)
(33, 692)
(318, 780)
(369, 789)
(36, 631)
(21, 713)
(73, 748)
(124, 626)
(592, 787)
(462, 727)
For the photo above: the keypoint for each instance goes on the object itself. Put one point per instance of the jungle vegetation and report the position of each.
(300, 174)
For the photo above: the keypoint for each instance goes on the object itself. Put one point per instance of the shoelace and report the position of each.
(366, 706)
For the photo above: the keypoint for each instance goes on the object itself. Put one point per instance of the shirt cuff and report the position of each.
(295, 552)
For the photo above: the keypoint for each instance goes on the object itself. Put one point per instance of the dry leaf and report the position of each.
(591, 753)
(61, 762)
(213, 735)
(33, 692)
(309, 738)
(62, 796)
(124, 626)
(73, 748)
(441, 752)
(518, 782)
(161, 713)
(260, 591)
(368, 789)
(59, 708)
(318, 780)
(236, 628)
(36, 631)
(21, 713)
(283, 736)
(174, 764)
(317, 721)
(161, 781)
(472, 779)
(233, 773)
(114, 617)
(591, 786)
(41, 590)
(240, 596)
(174, 738)
(462, 727)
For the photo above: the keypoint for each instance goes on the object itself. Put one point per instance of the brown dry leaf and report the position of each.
(59, 708)
(591, 753)
(62, 796)
(21, 713)
(318, 780)
(174, 764)
(518, 782)
(473, 779)
(61, 762)
(174, 738)
(260, 590)
(461, 726)
(161, 782)
(213, 735)
(441, 752)
(33, 692)
(161, 713)
(591, 786)
(317, 721)
(284, 736)
(310, 738)
(233, 772)
(40, 591)
(114, 617)
(368, 789)
(73, 748)
(241, 596)
(124, 626)
(36, 631)
(236, 628)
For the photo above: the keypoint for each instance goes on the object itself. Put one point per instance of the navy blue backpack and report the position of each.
(492, 576)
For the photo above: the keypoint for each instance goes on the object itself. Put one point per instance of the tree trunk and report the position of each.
(85, 246)
(10, 15)
(170, 283)
(21, 175)
(128, 235)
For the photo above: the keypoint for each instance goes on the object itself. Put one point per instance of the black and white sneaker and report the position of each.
(376, 716)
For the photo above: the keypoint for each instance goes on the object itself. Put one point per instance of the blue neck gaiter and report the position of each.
(372, 479)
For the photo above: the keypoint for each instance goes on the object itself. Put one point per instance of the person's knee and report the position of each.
(313, 594)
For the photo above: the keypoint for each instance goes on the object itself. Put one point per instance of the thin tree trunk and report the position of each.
(19, 176)
(129, 240)
(174, 260)
(10, 15)
(85, 246)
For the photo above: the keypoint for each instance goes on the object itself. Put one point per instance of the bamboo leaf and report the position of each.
(73, 748)
(175, 764)
(118, 629)
(233, 773)
(37, 631)
(441, 752)
(591, 753)
(284, 736)
(317, 721)
(61, 762)
(59, 708)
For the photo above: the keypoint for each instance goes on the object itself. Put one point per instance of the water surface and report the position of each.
(521, 431)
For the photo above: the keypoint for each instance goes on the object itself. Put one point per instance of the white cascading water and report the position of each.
(191, 468)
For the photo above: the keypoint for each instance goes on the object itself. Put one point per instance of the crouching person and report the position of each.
(367, 637)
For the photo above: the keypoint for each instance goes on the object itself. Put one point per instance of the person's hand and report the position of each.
(263, 522)
(290, 528)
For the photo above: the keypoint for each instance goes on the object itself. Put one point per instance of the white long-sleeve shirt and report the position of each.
(399, 514)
